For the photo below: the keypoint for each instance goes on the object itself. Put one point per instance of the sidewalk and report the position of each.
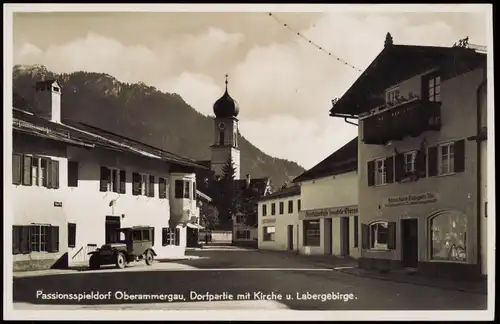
(404, 276)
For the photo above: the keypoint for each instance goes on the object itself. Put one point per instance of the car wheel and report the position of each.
(94, 263)
(120, 260)
(149, 258)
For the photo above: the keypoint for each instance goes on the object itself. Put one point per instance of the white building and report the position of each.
(74, 185)
(329, 217)
(278, 225)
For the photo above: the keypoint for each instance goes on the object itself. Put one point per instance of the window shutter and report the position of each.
(123, 181)
(399, 167)
(194, 190)
(48, 173)
(16, 169)
(71, 235)
(27, 176)
(433, 161)
(136, 184)
(53, 239)
(391, 239)
(164, 237)
(365, 237)
(420, 163)
(103, 185)
(151, 191)
(459, 158)
(16, 239)
(177, 236)
(72, 174)
(153, 236)
(371, 173)
(389, 164)
(55, 174)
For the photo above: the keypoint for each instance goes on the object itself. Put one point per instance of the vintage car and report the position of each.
(136, 244)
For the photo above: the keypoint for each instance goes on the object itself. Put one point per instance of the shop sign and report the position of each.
(411, 199)
(330, 212)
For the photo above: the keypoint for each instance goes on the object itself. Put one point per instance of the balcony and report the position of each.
(405, 119)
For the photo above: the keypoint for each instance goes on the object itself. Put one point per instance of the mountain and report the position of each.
(146, 114)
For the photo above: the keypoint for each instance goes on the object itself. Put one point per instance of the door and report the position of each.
(111, 229)
(328, 236)
(345, 238)
(290, 237)
(409, 239)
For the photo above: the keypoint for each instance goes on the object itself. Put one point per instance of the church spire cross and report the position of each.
(226, 80)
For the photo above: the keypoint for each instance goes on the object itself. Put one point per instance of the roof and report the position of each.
(80, 134)
(341, 161)
(396, 63)
(204, 196)
(291, 191)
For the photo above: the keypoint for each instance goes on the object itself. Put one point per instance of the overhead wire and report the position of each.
(321, 48)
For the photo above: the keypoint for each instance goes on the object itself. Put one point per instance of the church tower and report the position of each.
(225, 134)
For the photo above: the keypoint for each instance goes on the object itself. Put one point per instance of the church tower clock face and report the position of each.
(222, 125)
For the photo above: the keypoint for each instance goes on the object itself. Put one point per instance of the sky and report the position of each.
(282, 83)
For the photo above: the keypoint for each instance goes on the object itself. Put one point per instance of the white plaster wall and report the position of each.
(88, 207)
(332, 191)
(35, 204)
(280, 222)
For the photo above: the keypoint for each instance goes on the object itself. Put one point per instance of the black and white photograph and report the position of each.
(249, 161)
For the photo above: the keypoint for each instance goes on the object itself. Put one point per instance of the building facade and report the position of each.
(329, 216)
(82, 184)
(422, 174)
(278, 224)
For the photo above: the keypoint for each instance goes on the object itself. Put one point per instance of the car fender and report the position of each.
(152, 251)
(93, 252)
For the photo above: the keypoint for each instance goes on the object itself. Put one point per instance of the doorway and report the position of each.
(111, 229)
(328, 236)
(345, 237)
(409, 239)
(290, 237)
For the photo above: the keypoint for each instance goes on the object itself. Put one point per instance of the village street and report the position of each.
(222, 273)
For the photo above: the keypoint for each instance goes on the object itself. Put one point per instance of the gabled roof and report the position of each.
(74, 133)
(343, 160)
(290, 191)
(396, 63)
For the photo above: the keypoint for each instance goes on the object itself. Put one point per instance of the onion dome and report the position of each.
(225, 106)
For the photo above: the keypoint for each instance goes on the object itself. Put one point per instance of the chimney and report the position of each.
(48, 100)
(248, 180)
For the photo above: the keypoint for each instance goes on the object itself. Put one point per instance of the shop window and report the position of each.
(312, 233)
(449, 237)
(269, 233)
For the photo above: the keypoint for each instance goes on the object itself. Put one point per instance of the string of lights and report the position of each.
(321, 48)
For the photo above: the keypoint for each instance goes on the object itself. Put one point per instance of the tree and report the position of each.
(208, 216)
(226, 202)
(388, 40)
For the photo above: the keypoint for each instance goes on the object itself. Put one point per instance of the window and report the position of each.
(144, 185)
(186, 189)
(112, 180)
(391, 95)
(356, 231)
(379, 235)
(221, 138)
(380, 172)
(298, 205)
(71, 235)
(449, 237)
(72, 174)
(151, 186)
(194, 190)
(35, 238)
(446, 158)
(290, 206)
(409, 162)
(179, 189)
(269, 233)
(282, 207)
(264, 210)
(162, 188)
(312, 233)
(273, 209)
(35, 171)
(434, 89)
(170, 236)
